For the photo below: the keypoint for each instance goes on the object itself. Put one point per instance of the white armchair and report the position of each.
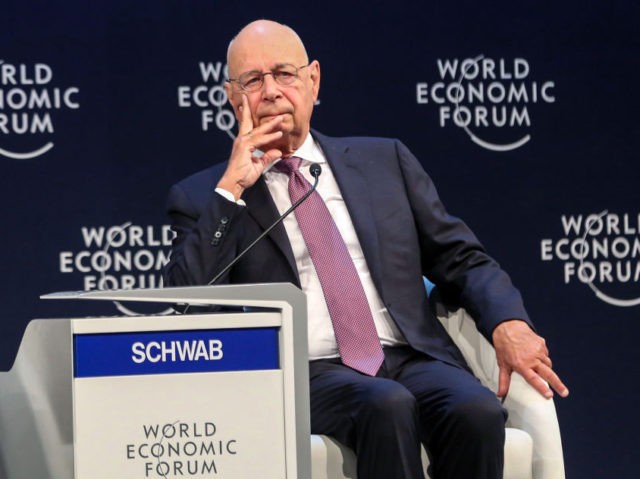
(533, 449)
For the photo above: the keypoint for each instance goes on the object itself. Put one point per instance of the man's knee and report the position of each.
(479, 416)
(389, 399)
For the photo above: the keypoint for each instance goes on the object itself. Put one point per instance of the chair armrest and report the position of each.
(528, 410)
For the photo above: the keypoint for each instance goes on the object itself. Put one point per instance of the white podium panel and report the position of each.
(164, 401)
(146, 438)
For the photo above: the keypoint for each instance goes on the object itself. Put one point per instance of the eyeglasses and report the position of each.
(253, 80)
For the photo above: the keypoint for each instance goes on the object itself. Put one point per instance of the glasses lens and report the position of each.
(250, 81)
(286, 74)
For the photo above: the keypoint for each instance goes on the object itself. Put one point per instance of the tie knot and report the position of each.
(288, 165)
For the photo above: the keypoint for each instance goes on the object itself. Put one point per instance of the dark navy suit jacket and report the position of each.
(403, 228)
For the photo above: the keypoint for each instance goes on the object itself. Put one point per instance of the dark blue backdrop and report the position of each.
(105, 104)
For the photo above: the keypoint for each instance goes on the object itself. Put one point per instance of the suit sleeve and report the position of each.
(453, 258)
(207, 237)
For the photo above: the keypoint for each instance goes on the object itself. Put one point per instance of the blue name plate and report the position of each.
(175, 352)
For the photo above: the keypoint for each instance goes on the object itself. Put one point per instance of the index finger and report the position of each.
(537, 382)
(246, 123)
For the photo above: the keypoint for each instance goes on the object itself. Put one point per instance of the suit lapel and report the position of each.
(351, 174)
(261, 207)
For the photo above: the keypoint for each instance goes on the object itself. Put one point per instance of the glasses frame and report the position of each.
(270, 72)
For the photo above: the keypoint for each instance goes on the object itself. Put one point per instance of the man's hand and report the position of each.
(519, 348)
(245, 167)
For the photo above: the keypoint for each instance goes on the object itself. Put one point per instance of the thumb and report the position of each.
(504, 380)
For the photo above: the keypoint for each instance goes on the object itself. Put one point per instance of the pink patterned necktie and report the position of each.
(353, 324)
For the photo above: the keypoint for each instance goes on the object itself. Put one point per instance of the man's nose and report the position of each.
(270, 88)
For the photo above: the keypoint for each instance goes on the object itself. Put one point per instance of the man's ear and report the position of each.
(314, 74)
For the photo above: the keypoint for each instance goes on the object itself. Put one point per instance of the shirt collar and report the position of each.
(309, 151)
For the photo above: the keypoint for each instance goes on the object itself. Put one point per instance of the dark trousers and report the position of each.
(414, 399)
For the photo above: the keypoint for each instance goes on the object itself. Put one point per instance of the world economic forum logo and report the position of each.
(209, 98)
(489, 99)
(601, 251)
(29, 103)
(117, 257)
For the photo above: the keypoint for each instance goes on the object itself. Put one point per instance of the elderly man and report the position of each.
(384, 376)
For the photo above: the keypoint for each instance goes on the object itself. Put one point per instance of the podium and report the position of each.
(205, 395)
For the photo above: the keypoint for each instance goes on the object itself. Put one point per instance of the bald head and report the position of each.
(264, 35)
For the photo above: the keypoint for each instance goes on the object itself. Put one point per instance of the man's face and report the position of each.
(265, 52)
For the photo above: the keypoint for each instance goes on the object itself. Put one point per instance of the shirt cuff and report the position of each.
(229, 196)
